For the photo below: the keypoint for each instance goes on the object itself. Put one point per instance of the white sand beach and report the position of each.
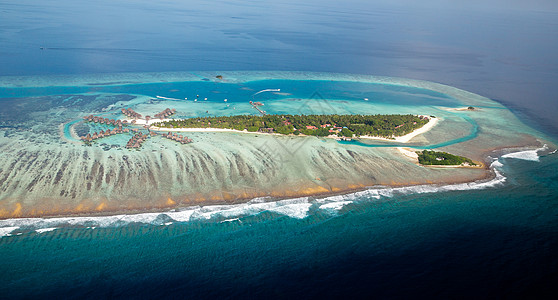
(400, 139)
(202, 130)
(406, 138)
(408, 153)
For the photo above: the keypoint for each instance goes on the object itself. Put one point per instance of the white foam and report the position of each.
(496, 164)
(43, 230)
(231, 220)
(332, 198)
(298, 208)
(297, 211)
(388, 192)
(531, 155)
(6, 231)
(335, 205)
(525, 155)
(184, 215)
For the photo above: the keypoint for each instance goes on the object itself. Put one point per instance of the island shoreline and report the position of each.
(398, 139)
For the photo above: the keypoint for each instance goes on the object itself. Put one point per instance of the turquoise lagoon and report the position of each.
(236, 214)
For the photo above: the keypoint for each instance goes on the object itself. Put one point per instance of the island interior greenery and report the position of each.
(430, 157)
(387, 126)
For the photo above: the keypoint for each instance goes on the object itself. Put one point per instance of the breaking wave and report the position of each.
(298, 208)
(532, 155)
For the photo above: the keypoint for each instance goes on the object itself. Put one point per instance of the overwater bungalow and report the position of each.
(130, 113)
(165, 113)
(176, 137)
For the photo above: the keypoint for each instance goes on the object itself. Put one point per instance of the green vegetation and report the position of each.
(429, 157)
(386, 126)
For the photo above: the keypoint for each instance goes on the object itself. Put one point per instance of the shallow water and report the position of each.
(494, 239)
(45, 121)
(378, 238)
(389, 243)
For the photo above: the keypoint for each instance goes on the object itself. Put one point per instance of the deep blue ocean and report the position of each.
(495, 242)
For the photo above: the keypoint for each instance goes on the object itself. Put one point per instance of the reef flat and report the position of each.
(47, 170)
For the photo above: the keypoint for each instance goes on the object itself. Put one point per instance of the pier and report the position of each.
(255, 105)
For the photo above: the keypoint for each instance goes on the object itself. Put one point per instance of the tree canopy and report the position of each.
(387, 126)
(430, 157)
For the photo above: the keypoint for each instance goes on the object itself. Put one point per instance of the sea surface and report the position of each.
(488, 239)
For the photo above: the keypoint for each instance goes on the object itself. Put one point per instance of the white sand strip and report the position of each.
(406, 138)
(408, 152)
(202, 130)
(400, 139)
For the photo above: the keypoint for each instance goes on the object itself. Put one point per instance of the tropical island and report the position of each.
(430, 157)
(385, 126)
(198, 156)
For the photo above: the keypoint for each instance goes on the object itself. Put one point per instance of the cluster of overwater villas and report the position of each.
(165, 113)
(135, 115)
(137, 140)
(179, 138)
(91, 118)
(131, 113)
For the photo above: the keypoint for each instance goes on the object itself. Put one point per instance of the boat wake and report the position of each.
(168, 98)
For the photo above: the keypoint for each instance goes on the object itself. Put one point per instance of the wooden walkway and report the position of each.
(258, 109)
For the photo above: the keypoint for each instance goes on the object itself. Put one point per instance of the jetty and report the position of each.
(255, 106)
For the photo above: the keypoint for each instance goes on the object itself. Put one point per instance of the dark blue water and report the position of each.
(505, 51)
(489, 243)
(499, 242)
